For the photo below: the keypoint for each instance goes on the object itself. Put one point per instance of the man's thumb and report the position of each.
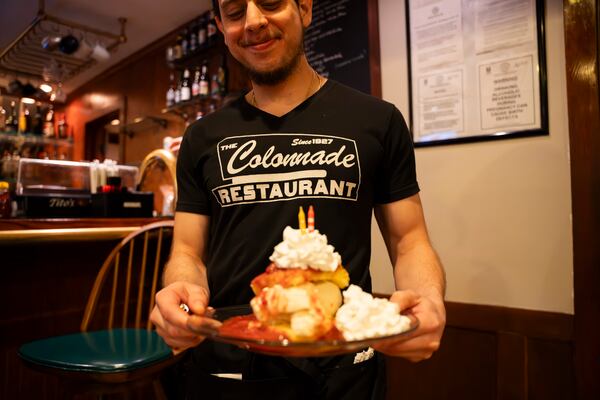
(405, 299)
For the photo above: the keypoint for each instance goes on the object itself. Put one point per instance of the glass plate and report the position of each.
(296, 349)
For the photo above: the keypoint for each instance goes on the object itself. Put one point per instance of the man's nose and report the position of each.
(255, 19)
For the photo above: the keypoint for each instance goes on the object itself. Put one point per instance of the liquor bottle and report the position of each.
(185, 45)
(5, 204)
(214, 86)
(202, 32)
(2, 119)
(25, 121)
(222, 76)
(10, 118)
(196, 83)
(171, 91)
(204, 80)
(178, 92)
(186, 92)
(177, 48)
(63, 127)
(211, 28)
(15, 114)
(193, 38)
(49, 123)
(37, 125)
(169, 54)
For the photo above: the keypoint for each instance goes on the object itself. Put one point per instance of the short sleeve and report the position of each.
(396, 177)
(192, 194)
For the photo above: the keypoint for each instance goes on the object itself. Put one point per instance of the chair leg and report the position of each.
(159, 392)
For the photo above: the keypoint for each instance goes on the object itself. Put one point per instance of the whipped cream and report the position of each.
(362, 316)
(308, 250)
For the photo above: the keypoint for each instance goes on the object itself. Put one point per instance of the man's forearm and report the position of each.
(420, 269)
(183, 267)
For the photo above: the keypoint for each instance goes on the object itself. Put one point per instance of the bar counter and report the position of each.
(68, 229)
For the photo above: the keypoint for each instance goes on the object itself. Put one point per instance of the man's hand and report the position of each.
(179, 329)
(425, 340)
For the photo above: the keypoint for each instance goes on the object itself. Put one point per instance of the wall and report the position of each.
(137, 88)
(498, 212)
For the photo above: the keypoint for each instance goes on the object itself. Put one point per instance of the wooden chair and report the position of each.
(117, 350)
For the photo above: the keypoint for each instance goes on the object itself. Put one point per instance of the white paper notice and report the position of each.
(436, 33)
(474, 68)
(441, 106)
(503, 24)
(507, 93)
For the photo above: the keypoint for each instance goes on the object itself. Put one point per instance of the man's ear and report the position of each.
(219, 23)
(305, 7)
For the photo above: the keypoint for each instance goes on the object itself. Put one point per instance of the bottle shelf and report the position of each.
(210, 65)
(139, 124)
(196, 58)
(28, 138)
(37, 95)
(187, 109)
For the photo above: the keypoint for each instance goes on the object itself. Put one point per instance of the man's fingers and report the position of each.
(165, 329)
(405, 299)
(202, 325)
(197, 300)
(413, 350)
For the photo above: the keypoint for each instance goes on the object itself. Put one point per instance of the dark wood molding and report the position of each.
(72, 223)
(486, 318)
(374, 50)
(531, 323)
(581, 53)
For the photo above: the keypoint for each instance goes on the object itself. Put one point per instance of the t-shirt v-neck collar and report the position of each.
(293, 112)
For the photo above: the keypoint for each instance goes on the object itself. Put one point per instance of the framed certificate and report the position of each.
(477, 70)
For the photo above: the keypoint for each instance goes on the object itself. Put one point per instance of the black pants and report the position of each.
(266, 377)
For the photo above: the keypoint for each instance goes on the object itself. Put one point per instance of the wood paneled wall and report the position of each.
(492, 353)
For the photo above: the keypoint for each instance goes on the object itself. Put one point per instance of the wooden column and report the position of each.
(581, 44)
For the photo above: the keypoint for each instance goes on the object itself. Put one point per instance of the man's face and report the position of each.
(265, 36)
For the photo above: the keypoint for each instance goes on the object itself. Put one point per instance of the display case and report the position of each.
(53, 188)
(34, 175)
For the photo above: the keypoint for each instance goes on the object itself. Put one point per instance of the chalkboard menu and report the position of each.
(337, 42)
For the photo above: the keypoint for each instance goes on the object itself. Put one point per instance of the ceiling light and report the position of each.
(46, 88)
(28, 100)
(115, 122)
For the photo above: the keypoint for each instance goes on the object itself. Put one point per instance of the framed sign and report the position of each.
(477, 70)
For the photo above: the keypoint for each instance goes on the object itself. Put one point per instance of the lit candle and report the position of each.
(301, 220)
(311, 219)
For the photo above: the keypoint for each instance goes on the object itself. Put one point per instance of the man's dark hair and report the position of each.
(218, 11)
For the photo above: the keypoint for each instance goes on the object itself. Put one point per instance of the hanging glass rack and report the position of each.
(26, 57)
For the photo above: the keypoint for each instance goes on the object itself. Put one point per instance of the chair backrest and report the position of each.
(134, 267)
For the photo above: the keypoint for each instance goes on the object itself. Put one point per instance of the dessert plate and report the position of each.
(232, 331)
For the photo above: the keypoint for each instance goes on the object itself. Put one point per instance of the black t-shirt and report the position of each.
(340, 150)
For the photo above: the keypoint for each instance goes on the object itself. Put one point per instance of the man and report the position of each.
(294, 139)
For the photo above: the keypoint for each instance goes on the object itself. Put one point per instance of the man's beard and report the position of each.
(278, 75)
